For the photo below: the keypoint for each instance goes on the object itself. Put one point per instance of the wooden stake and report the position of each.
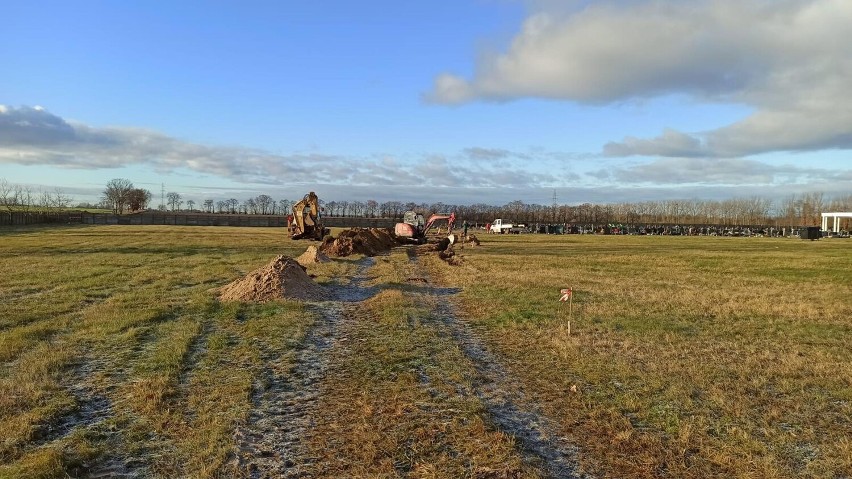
(570, 310)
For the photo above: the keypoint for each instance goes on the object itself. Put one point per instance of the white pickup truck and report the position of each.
(498, 226)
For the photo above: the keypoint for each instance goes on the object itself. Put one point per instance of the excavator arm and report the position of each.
(451, 219)
(305, 223)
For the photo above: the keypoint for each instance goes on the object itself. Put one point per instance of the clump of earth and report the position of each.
(445, 250)
(312, 255)
(282, 278)
(366, 241)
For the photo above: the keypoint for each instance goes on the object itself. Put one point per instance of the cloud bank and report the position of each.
(789, 60)
(34, 136)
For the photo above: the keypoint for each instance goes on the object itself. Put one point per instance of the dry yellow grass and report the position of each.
(114, 349)
(694, 357)
(392, 406)
(689, 357)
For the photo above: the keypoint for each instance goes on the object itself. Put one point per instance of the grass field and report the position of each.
(688, 357)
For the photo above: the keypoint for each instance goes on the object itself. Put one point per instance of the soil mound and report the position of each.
(368, 242)
(312, 256)
(450, 257)
(282, 278)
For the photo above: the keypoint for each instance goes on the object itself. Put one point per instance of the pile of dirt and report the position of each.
(312, 256)
(450, 257)
(282, 278)
(472, 240)
(368, 242)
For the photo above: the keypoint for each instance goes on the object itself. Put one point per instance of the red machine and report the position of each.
(415, 228)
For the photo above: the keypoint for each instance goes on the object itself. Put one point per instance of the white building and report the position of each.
(836, 217)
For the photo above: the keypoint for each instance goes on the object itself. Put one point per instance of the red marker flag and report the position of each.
(565, 294)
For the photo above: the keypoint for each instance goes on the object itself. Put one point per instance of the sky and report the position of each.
(460, 102)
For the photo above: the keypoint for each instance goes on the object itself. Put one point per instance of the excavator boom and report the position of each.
(305, 223)
(451, 219)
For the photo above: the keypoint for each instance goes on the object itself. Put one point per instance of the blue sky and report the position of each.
(455, 101)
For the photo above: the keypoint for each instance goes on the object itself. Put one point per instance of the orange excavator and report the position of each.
(305, 220)
(414, 228)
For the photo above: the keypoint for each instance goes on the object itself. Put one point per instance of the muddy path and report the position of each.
(272, 443)
(502, 395)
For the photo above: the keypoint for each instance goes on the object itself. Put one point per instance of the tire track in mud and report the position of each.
(272, 443)
(501, 394)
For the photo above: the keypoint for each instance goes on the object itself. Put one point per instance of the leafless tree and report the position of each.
(371, 207)
(332, 206)
(138, 199)
(117, 194)
(8, 194)
(263, 203)
(174, 200)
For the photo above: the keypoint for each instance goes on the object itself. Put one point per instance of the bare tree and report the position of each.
(139, 199)
(371, 207)
(190, 205)
(208, 206)
(332, 208)
(117, 194)
(174, 200)
(263, 203)
(8, 194)
(51, 201)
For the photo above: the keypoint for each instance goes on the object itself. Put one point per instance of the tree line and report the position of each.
(26, 199)
(794, 210)
(121, 196)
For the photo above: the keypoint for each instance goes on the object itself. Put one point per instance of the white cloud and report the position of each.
(787, 59)
(477, 174)
(724, 172)
(29, 136)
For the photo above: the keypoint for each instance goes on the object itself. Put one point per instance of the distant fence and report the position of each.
(180, 219)
(29, 218)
